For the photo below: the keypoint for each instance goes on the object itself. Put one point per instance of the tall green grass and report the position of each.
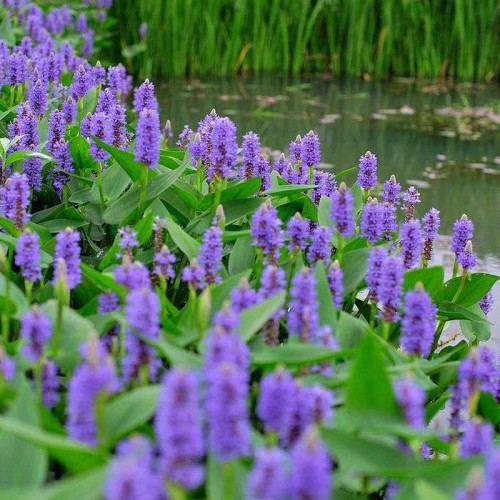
(422, 38)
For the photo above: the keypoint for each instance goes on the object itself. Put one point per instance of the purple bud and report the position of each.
(419, 322)
(36, 330)
(431, 222)
(477, 438)
(117, 124)
(298, 232)
(391, 287)
(486, 303)
(310, 150)
(163, 263)
(143, 30)
(147, 146)
(119, 82)
(210, 254)
(321, 246)
(411, 398)
(178, 426)
(224, 147)
(389, 220)
(133, 275)
(268, 478)
(57, 129)
(184, 137)
(342, 210)
(280, 164)
(28, 255)
(128, 240)
(81, 23)
(371, 226)
(144, 97)
(392, 190)
(105, 101)
(7, 365)
(411, 243)
(410, 198)
(88, 45)
(311, 469)
(250, 151)
(167, 131)
(467, 259)
(266, 232)
(295, 150)
(32, 168)
(243, 297)
(463, 230)
(68, 249)
(194, 275)
(367, 173)
(335, 281)
(69, 110)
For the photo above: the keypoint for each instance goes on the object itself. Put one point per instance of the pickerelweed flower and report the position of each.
(36, 330)
(326, 185)
(64, 163)
(391, 190)
(184, 137)
(50, 383)
(298, 232)
(250, 151)
(411, 397)
(310, 149)
(410, 198)
(467, 259)
(133, 275)
(280, 164)
(303, 317)
(491, 485)
(477, 438)
(311, 475)
(335, 282)
(95, 376)
(57, 129)
(342, 210)
(37, 97)
(411, 243)
(32, 168)
(99, 128)
(82, 82)
(266, 232)
(131, 474)
(127, 240)
(105, 101)
(272, 282)
(375, 262)
(163, 263)
(486, 303)
(119, 82)
(148, 140)
(224, 147)
(390, 288)
(243, 296)
(367, 170)
(14, 199)
(69, 110)
(194, 275)
(277, 390)
(389, 220)
(7, 365)
(431, 222)
(295, 148)
(268, 477)
(419, 322)
(117, 125)
(196, 149)
(178, 427)
(463, 230)
(321, 246)
(109, 302)
(210, 254)
(144, 97)
(68, 249)
(371, 226)
(28, 255)
(167, 131)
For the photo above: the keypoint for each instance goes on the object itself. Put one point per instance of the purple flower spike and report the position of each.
(463, 230)
(94, 377)
(311, 468)
(272, 282)
(411, 243)
(131, 475)
(50, 384)
(367, 173)
(105, 101)
(477, 438)
(147, 146)
(37, 97)
(144, 97)
(389, 220)
(28, 255)
(491, 487)
(310, 150)
(184, 137)
(326, 185)
(342, 210)
(14, 199)
(303, 317)
(243, 297)
(411, 398)
(410, 199)
(321, 246)
(178, 426)
(7, 365)
(68, 249)
(335, 281)
(298, 232)
(250, 151)
(392, 190)
(467, 259)
(376, 259)
(69, 110)
(57, 129)
(117, 125)
(372, 219)
(224, 147)
(82, 82)
(99, 128)
(391, 287)
(210, 254)
(133, 275)
(295, 150)
(119, 82)
(196, 149)
(128, 240)
(266, 232)
(194, 275)
(277, 390)
(486, 303)
(36, 330)
(268, 478)
(419, 322)
(164, 263)
(280, 164)
(431, 222)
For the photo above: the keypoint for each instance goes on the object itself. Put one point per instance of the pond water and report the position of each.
(414, 129)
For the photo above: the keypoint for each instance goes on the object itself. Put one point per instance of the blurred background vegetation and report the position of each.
(371, 38)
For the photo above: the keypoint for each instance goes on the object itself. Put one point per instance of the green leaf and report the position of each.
(77, 457)
(255, 317)
(350, 330)
(57, 225)
(16, 296)
(236, 209)
(22, 463)
(103, 281)
(225, 480)
(177, 356)
(128, 411)
(23, 154)
(480, 330)
(476, 287)
(242, 255)
(431, 277)
(187, 244)
(80, 151)
(354, 268)
(369, 390)
(324, 212)
(327, 310)
(455, 311)
(125, 159)
(238, 191)
(288, 190)
(294, 354)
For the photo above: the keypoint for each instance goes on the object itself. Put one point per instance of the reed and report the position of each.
(419, 38)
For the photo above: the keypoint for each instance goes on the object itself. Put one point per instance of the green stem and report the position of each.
(58, 329)
(28, 286)
(6, 315)
(198, 175)
(229, 480)
(38, 380)
(144, 187)
(100, 187)
(176, 492)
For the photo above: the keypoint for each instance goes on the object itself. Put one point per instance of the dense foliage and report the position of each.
(201, 321)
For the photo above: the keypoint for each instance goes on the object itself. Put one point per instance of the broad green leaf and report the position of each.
(127, 411)
(288, 190)
(255, 317)
(354, 268)
(327, 311)
(102, 281)
(57, 225)
(22, 464)
(187, 244)
(476, 287)
(225, 480)
(238, 191)
(177, 356)
(294, 354)
(236, 209)
(480, 330)
(82, 159)
(451, 310)
(125, 159)
(431, 277)
(16, 296)
(23, 154)
(324, 212)
(242, 255)
(350, 330)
